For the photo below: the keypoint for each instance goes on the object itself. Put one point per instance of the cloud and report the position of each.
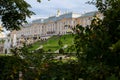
(47, 8)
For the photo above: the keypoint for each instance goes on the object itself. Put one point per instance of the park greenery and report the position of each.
(55, 43)
(97, 52)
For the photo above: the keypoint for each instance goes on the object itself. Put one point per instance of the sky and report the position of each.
(49, 8)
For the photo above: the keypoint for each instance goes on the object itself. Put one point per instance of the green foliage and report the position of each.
(60, 43)
(21, 51)
(111, 21)
(35, 61)
(98, 44)
(96, 52)
(41, 66)
(14, 13)
(40, 51)
(59, 70)
(116, 47)
(10, 67)
(34, 46)
(49, 50)
(71, 48)
(112, 78)
(61, 51)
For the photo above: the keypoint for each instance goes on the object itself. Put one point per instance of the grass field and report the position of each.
(52, 43)
(35, 46)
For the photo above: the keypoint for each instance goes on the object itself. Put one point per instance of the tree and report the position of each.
(111, 21)
(110, 10)
(98, 46)
(13, 13)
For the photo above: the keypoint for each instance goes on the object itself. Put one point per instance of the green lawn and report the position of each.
(35, 46)
(52, 43)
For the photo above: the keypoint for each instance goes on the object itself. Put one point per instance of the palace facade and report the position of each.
(55, 25)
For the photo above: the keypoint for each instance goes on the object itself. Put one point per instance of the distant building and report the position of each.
(55, 25)
(41, 20)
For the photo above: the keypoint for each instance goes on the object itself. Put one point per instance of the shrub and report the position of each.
(61, 51)
(10, 67)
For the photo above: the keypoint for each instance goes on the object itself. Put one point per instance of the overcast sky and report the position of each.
(48, 8)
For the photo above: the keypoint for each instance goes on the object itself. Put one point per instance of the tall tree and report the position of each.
(111, 21)
(98, 46)
(111, 12)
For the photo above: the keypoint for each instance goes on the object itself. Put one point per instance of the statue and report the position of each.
(7, 46)
(14, 41)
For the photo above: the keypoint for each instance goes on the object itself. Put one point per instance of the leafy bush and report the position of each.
(10, 67)
(61, 51)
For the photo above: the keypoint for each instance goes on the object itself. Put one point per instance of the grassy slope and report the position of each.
(52, 43)
(35, 45)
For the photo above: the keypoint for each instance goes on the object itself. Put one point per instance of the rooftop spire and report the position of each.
(58, 13)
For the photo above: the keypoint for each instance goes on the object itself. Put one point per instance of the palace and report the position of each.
(55, 25)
